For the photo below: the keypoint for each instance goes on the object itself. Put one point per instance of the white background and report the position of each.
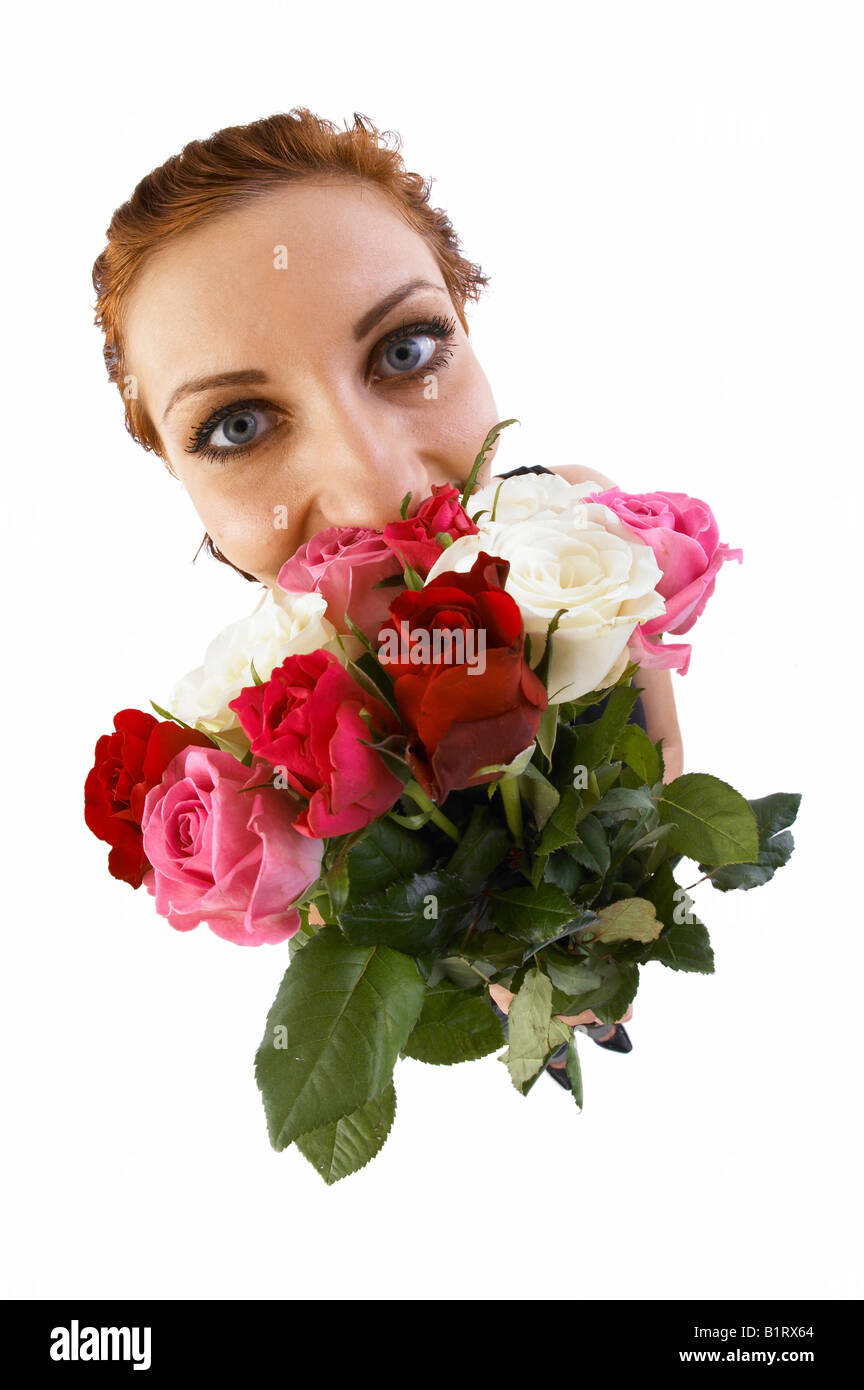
(668, 199)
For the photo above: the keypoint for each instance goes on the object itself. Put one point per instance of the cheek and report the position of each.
(255, 531)
(465, 413)
(460, 410)
(467, 388)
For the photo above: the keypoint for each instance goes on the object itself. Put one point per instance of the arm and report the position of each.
(661, 717)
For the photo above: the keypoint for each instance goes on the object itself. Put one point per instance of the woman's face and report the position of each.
(303, 365)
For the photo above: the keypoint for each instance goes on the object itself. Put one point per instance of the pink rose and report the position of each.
(684, 537)
(225, 856)
(414, 539)
(308, 720)
(343, 564)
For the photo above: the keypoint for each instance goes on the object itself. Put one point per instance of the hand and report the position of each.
(503, 998)
(673, 761)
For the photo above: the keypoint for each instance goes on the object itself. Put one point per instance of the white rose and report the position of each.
(585, 561)
(296, 623)
(529, 494)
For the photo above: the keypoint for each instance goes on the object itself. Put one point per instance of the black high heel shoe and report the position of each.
(559, 1073)
(617, 1041)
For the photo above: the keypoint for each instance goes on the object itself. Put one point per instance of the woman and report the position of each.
(284, 315)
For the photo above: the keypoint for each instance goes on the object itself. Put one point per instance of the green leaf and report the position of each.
(603, 777)
(592, 837)
(495, 500)
(684, 947)
(390, 582)
(514, 768)
(572, 976)
(625, 803)
(394, 762)
(230, 743)
(533, 1034)
(573, 708)
(619, 982)
(561, 869)
(773, 814)
(541, 670)
(712, 821)
(412, 578)
(464, 973)
(336, 883)
(628, 832)
(164, 714)
(574, 1071)
(346, 1145)
(635, 748)
(302, 937)
(547, 732)
(629, 919)
(341, 1017)
(404, 504)
(361, 637)
(532, 914)
(368, 671)
(255, 676)
(386, 853)
(621, 890)
(483, 845)
(454, 1026)
(595, 741)
(650, 837)
(539, 796)
(583, 922)
(683, 944)
(414, 915)
(478, 462)
(492, 947)
(560, 828)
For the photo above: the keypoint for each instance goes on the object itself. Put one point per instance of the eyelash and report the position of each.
(438, 327)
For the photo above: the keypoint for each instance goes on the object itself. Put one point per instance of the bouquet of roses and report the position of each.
(416, 763)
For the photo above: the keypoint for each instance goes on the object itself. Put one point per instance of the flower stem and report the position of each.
(696, 884)
(509, 789)
(474, 920)
(417, 795)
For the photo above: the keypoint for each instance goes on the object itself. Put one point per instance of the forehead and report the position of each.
(287, 272)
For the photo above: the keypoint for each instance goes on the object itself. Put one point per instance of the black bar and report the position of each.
(604, 1338)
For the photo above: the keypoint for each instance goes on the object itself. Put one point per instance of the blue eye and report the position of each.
(413, 346)
(237, 429)
(233, 429)
(408, 354)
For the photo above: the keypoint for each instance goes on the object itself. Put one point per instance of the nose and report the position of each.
(362, 462)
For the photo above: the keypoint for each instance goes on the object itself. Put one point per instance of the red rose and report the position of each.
(414, 539)
(308, 720)
(126, 765)
(462, 714)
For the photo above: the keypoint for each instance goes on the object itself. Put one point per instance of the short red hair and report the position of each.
(237, 164)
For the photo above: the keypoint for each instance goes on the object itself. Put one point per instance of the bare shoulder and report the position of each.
(575, 473)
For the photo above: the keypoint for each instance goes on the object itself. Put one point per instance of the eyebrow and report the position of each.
(253, 376)
(376, 314)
